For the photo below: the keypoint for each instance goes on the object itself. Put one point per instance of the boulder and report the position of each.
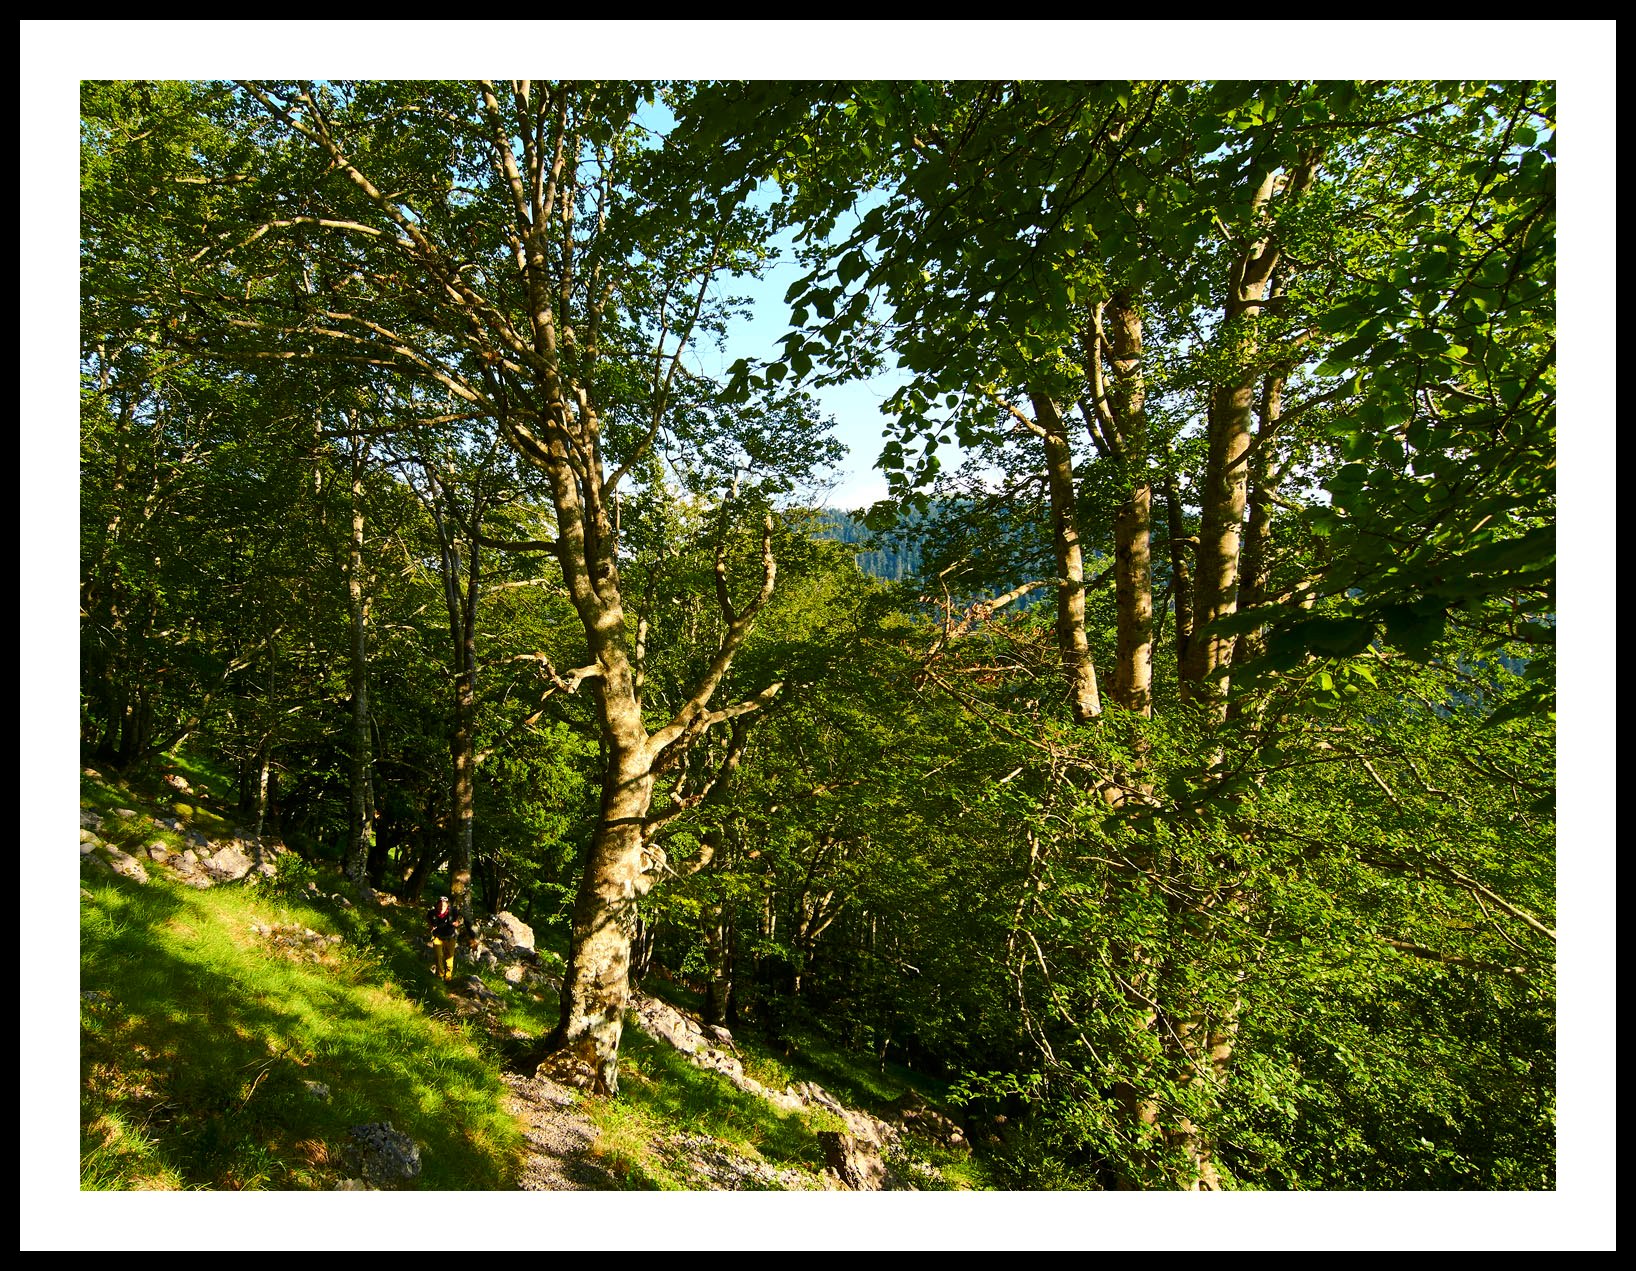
(514, 973)
(384, 1156)
(814, 1093)
(89, 842)
(89, 820)
(869, 1130)
(158, 852)
(123, 863)
(124, 814)
(662, 1020)
(507, 929)
(722, 1062)
(917, 1115)
(855, 1164)
(229, 864)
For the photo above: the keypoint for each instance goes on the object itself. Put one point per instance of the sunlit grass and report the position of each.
(199, 1039)
(214, 1058)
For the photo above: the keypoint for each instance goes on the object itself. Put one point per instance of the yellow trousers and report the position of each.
(445, 957)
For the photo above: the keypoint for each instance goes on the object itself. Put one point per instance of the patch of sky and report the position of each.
(756, 333)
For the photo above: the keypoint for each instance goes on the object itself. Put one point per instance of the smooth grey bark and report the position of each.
(1120, 408)
(1226, 476)
(1084, 698)
(360, 821)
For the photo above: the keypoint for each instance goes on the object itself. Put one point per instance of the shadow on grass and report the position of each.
(198, 1043)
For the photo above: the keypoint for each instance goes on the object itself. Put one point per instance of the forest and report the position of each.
(1167, 766)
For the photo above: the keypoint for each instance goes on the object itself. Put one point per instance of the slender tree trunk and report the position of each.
(361, 829)
(1220, 535)
(463, 787)
(1181, 574)
(1264, 481)
(717, 933)
(1226, 477)
(1133, 519)
(1074, 648)
(264, 771)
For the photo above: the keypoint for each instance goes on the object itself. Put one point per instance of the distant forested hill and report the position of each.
(894, 555)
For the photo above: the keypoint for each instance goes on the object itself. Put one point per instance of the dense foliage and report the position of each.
(1254, 385)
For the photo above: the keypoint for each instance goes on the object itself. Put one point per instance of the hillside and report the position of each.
(272, 1031)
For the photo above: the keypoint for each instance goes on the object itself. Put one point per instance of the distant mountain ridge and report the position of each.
(893, 556)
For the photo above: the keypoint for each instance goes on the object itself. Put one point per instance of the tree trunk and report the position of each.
(1264, 481)
(1077, 667)
(596, 984)
(360, 824)
(462, 747)
(718, 936)
(1232, 403)
(1133, 519)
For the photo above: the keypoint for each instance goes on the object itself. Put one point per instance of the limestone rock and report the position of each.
(917, 1115)
(123, 863)
(384, 1156)
(229, 864)
(158, 852)
(89, 842)
(514, 973)
(726, 1170)
(505, 928)
(662, 1020)
(89, 820)
(566, 1068)
(124, 814)
(722, 1062)
(856, 1165)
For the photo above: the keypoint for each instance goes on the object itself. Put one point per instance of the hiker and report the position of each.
(443, 922)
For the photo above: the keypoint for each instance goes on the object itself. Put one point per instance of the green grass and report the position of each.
(661, 1094)
(200, 1038)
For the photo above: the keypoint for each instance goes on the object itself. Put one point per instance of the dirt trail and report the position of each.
(559, 1139)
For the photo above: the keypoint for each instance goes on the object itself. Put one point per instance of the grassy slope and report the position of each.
(199, 1038)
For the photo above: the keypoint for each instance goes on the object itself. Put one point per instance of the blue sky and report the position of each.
(855, 406)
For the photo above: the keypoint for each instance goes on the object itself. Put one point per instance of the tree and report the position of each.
(524, 252)
(1028, 243)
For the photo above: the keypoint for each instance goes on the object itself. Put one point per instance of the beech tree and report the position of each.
(530, 253)
(1191, 809)
(1027, 242)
